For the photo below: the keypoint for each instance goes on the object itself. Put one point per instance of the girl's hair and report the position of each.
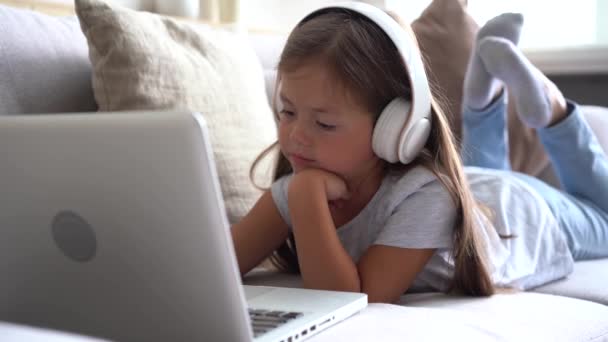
(366, 63)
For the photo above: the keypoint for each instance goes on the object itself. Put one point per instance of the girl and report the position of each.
(360, 223)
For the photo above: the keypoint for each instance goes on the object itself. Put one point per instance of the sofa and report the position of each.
(71, 67)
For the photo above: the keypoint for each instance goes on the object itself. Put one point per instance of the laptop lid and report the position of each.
(110, 228)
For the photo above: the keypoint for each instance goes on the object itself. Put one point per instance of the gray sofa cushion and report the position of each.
(44, 64)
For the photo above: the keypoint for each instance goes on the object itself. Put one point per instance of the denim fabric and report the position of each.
(581, 206)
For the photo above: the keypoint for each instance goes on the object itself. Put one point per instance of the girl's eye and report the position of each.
(286, 113)
(326, 126)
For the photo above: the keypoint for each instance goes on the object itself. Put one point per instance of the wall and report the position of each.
(270, 15)
(263, 14)
(146, 5)
(584, 89)
(273, 15)
(585, 79)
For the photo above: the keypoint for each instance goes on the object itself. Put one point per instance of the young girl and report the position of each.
(360, 223)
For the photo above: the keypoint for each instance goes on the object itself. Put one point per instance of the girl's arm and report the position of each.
(383, 273)
(387, 272)
(324, 263)
(259, 233)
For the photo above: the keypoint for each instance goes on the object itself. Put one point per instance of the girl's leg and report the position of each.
(584, 224)
(576, 156)
(484, 137)
(582, 169)
(484, 140)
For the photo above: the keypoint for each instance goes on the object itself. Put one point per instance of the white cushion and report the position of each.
(512, 317)
(589, 281)
(523, 316)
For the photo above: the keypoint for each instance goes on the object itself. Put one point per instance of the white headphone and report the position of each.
(393, 140)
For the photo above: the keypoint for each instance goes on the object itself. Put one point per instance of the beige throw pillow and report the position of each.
(146, 61)
(446, 34)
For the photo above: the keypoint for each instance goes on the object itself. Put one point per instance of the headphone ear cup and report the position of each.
(413, 140)
(388, 129)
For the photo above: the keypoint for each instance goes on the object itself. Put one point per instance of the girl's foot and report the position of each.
(480, 88)
(538, 101)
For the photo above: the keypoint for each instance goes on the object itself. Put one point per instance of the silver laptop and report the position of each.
(113, 225)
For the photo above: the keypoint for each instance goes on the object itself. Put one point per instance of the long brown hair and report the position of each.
(363, 59)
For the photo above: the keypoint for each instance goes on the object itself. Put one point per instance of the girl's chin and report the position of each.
(299, 168)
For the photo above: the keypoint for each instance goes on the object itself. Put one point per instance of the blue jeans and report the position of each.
(581, 208)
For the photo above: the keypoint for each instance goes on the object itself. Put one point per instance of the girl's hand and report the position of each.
(333, 186)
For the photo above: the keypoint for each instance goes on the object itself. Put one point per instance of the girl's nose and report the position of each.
(299, 133)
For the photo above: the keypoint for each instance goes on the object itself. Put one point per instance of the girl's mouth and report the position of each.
(298, 160)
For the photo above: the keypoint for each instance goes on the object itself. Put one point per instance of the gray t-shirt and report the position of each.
(415, 211)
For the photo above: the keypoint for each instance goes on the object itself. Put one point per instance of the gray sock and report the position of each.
(479, 85)
(524, 81)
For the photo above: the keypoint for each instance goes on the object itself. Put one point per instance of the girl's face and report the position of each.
(321, 127)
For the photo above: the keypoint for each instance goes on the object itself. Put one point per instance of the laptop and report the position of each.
(113, 226)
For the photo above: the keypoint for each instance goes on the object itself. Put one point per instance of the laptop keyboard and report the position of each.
(263, 321)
